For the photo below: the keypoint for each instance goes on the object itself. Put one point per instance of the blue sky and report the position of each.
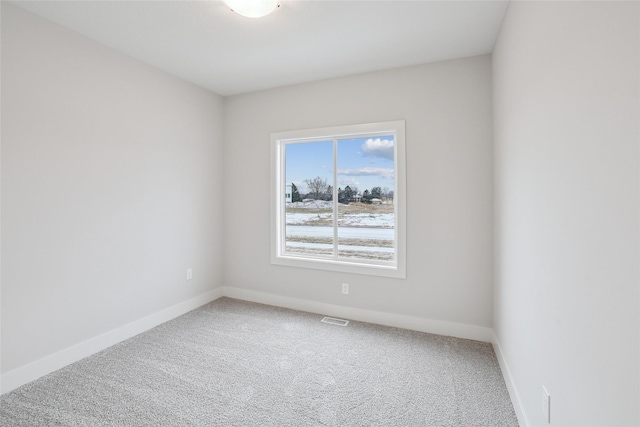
(362, 162)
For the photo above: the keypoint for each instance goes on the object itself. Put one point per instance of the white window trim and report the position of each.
(278, 141)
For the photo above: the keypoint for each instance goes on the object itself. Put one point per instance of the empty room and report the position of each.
(320, 213)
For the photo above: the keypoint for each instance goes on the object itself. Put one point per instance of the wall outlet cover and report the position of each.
(345, 289)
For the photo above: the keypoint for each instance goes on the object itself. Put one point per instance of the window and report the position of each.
(338, 199)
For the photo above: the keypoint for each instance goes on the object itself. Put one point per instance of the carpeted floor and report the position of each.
(234, 363)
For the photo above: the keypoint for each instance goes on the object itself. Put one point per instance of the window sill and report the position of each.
(340, 266)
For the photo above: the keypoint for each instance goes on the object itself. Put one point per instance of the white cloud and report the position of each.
(381, 172)
(378, 148)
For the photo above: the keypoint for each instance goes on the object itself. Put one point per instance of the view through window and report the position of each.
(339, 196)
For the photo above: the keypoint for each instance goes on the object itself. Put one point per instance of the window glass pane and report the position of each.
(366, 213)
(309, 210)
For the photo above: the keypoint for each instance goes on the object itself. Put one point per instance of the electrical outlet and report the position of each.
(189, 273)
(345, 289)
(546, 405)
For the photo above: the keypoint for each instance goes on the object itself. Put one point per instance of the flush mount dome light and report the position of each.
(253, 8)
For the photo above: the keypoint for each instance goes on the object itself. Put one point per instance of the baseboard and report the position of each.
(511, 387)
(34, 370)
(478, 333)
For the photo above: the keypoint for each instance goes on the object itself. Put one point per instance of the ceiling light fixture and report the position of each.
(253, 8)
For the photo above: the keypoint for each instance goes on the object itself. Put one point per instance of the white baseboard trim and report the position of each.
(511, 387)
(34, 370)
(478, 333)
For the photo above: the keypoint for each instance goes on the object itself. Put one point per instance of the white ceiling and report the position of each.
(204, 42)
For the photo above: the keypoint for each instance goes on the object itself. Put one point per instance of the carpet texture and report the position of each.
(234, 363)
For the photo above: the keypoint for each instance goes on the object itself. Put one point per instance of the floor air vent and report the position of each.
(334, 321)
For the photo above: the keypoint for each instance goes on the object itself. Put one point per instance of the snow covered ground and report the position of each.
(340, 247)
(369, 220)
(313, 204)
(343, 232)
(378, 220)
(368, 232)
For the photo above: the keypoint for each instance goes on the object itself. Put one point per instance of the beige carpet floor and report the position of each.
(234, 363)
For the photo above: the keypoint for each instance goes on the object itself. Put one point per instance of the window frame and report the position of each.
(278, 203)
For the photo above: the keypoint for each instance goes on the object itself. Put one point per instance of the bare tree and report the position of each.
(317, 186)
(385, 192)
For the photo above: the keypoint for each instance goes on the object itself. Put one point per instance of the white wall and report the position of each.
(111, 185)
(447, 108)
(566, 90)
